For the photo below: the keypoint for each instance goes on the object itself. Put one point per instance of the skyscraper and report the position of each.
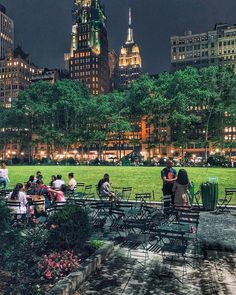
(88, 58)
(130, 62)
(6, 33)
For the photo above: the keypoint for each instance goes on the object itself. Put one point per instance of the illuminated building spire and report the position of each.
(130, 37)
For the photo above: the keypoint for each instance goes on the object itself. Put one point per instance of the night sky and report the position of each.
(43, 27)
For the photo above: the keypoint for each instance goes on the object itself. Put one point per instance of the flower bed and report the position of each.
(34, 259)
(74, 280)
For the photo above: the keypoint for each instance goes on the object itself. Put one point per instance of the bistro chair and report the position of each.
(137, 237)
(99, 212)
(79, 189)
(223, 203)
(173, 246)
(15, 211)
(126, 193)
(117, 216)
(143, 197)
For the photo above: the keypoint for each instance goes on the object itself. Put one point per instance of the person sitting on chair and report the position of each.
(58, 182)
(4, 179)
(72, 182)
(105, 189)
(59, 195)
(53, 178)
(18, 195)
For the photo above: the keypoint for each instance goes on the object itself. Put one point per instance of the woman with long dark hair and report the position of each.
(29, 182)
(180, 189)
(18, 195)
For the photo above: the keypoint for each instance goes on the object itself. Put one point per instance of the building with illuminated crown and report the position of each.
(6, 33)
(88, 58)
(130, 61)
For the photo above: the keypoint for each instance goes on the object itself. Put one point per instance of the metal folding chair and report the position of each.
(173, 246)
(15, 210)
(117, 220)
(4, 193)
(223, 203)
(99, 212)
(126, 193)
(137, 237)
(143, 197)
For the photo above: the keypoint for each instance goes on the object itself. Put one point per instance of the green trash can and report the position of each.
(209, 192)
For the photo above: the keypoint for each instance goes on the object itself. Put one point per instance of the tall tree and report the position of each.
(216, 85)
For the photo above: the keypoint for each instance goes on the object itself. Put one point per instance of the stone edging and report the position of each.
(72, 282)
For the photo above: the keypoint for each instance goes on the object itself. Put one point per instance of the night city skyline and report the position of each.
(46, 35)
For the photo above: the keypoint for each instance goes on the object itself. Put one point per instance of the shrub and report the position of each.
(96, 244)
(56, 265)
(5, 219)
(69, 228)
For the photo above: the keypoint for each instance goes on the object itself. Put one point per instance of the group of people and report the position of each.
(54, 192)
(176, 186)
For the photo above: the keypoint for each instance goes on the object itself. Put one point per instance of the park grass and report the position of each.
(142, 179)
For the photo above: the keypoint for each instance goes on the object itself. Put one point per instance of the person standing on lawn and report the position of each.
(181, 190)
(168, 175)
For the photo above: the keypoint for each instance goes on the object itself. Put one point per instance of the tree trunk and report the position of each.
(120, 147)
(206, 144)
(182, 152)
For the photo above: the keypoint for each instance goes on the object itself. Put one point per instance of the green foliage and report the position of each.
(96, 244)
(66, 114)
(69, 228)
(217, 160)
(5, 219)
(20, 251)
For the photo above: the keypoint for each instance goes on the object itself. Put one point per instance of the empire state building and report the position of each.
(88, 58)
(130, 61)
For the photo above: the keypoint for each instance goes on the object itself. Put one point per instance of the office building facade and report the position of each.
(16, 72)
(216, 47)
(6, 33)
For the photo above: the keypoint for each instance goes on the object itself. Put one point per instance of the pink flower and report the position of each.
(48, 274)
(53, 226)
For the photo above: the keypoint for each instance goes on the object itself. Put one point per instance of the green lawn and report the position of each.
(142, 179)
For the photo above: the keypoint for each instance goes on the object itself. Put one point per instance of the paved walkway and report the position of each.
(215, 274)
(121, 275)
